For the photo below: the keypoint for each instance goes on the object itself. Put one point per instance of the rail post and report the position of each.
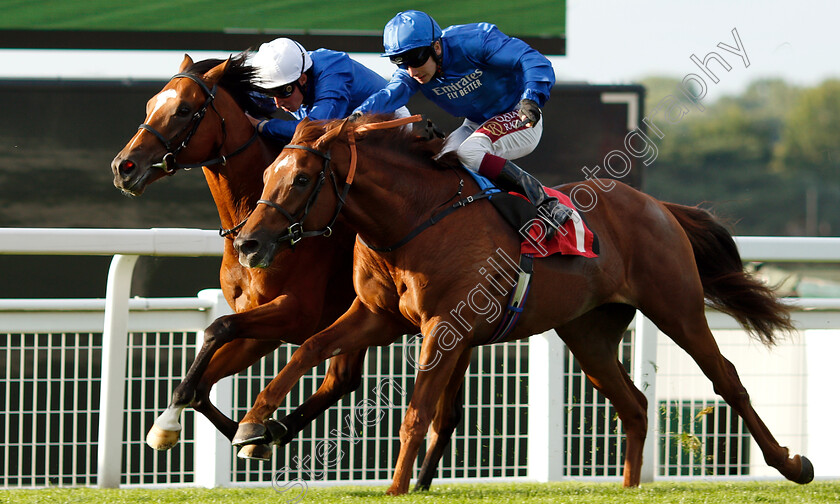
(545, 407)
(644, 376)
(212, 449)
(112, 390)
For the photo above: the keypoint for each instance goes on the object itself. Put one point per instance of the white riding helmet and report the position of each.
(280, 62)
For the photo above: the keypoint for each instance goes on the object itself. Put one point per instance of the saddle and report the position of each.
(573, 238)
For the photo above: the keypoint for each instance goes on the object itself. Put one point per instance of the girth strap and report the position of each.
(517, 299)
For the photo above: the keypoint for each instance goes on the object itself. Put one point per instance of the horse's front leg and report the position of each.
(224, 353)
(356, 330)
(447, 417)
(443, 354)
(344, 375)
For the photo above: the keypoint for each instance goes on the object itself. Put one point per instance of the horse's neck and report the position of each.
(237, 184)
(394, 196)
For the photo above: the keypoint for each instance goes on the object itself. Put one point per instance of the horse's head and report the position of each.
(301, 197)
(306, 187)
(178, 122)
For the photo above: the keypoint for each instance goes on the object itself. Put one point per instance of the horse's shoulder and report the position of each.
(373, 275)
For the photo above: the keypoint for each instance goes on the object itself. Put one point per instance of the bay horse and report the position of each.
(199, 116)
(663, 259)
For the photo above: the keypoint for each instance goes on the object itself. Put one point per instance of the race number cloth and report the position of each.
(573, 238)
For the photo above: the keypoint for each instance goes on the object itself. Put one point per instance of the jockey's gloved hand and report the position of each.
(529, 112)
(354, 116)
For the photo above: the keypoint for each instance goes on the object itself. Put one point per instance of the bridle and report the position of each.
(168, 164)
(295, 232)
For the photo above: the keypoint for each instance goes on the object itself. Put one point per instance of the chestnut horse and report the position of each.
(199, 117)
(663, 259)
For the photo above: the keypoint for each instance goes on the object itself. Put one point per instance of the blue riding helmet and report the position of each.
(409, 30)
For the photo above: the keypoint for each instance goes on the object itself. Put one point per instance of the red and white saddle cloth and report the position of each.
(573, 238)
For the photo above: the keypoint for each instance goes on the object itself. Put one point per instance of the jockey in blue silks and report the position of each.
(321, 84)
(497, 83)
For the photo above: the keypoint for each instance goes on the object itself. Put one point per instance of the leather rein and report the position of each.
(295, 232)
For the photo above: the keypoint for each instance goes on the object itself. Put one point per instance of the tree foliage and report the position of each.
(767, 160)
(811, 138)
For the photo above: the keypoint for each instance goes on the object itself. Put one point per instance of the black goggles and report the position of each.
(413, 58)
(285, 90)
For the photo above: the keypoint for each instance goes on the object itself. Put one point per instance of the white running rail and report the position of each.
(547, 410)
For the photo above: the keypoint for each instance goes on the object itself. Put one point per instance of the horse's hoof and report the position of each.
(251, 433)
(255, 452)
(394, 490)
(160, 439)
(806, 475)
(276, 430)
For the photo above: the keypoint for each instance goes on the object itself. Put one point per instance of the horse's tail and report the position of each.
(726, 285)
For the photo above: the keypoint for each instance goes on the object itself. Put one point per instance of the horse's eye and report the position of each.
(183, 111)
(301, 179)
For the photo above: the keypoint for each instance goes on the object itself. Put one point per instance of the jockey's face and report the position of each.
(425, 72)
(292, 102)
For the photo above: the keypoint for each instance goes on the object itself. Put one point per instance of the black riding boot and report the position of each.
(549, 209)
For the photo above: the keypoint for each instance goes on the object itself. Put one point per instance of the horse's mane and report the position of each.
(238, 80)
(401, 140)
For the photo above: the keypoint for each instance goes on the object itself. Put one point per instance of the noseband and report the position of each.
(168, 164)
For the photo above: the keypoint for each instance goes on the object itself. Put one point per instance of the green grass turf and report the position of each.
(776, 492)
(524, 17)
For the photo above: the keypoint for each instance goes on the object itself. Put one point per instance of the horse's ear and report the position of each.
(214, 74)
(334, 130)
(185, 64)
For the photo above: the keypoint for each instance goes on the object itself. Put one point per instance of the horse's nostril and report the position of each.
(247, 247)
(127, 166)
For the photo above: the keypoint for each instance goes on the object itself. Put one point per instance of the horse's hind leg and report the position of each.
(688, 327)
(447, 417)
(594, 339)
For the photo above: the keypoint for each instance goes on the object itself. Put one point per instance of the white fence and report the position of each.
(84, 379)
